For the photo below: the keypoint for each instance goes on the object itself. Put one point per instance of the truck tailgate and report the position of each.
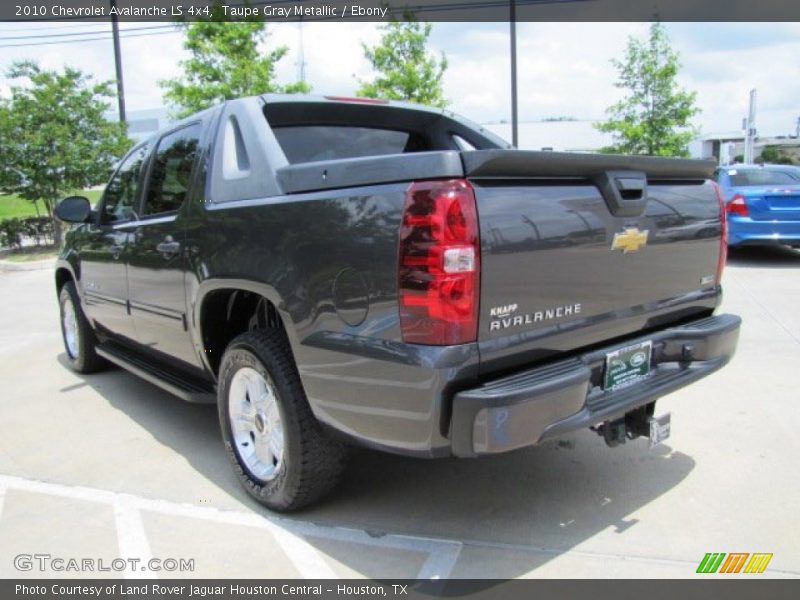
(565, 267)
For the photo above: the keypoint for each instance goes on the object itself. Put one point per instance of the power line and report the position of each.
(94, 39)
(80, 33)
(7, 26)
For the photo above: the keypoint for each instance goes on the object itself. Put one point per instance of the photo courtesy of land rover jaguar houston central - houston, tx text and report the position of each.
(337, 271)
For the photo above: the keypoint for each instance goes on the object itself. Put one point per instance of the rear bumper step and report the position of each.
(529, 407)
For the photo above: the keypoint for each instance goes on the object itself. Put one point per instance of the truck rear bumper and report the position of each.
(527, 407)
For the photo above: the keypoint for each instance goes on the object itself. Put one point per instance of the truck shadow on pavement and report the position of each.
(513, 512)
(764, 257)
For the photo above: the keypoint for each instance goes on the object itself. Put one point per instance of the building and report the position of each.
(143, 123)
(728, 147)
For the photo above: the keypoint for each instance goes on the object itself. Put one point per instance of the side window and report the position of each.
(171, 170)
(122, 193)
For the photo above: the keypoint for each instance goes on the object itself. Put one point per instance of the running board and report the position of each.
(194, 392)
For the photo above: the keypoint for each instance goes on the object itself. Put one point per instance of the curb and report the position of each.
(35, 265)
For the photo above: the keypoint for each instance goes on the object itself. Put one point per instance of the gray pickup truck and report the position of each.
(332, 271)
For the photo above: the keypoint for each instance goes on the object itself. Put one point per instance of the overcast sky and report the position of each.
(564, 68)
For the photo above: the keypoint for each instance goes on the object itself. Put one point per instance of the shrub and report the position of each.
(11, 233)
(37, 229)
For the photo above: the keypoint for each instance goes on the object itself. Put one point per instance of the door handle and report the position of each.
(169, 247)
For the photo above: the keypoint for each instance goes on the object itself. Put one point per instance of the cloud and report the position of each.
(564, 69)
(333, 54)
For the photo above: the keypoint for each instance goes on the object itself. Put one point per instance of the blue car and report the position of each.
(763, 204)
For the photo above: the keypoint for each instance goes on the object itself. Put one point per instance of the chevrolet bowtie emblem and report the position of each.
(630, 240)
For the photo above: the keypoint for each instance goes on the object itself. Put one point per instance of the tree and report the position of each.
(225, 63)
(406, 71)
(655, 116)
(55, 137)
(774, 155)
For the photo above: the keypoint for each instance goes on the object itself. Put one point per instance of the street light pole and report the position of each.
(118, 65)
(514, 121)
(750, 130)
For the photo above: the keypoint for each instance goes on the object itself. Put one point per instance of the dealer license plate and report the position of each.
(627, 366)
(659, 429)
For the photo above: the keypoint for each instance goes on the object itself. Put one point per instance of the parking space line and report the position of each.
(769, 313)
(131, 537)
(442, 554)
(440, 564)
(289, 534)
(305, 558)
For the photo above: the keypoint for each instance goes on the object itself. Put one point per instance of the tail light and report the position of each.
(723, 242)
(439, 264)
(738, 206)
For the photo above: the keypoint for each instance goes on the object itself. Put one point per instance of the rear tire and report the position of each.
(280, 453)
(79, 338)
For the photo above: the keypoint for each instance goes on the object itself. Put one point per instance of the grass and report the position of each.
(13, 206)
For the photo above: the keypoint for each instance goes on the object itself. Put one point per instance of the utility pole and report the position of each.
(514, 118)
(118, 65)
(750, 129)
(797, 128)
(301, 66)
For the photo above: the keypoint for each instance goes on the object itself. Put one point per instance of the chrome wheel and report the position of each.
(69, 323)
(255, 421)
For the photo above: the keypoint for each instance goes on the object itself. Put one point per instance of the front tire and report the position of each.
(280, 453)
(78, 336)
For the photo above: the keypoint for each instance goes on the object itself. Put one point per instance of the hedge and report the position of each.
(37, 229)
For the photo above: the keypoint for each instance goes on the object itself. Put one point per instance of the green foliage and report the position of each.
(11, 233)
(37, 229)
(655, 116)
(774, 155)
(54, 135)
(225, 63)
(406, 71)
(770, 154)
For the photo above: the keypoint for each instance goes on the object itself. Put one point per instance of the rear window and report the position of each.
(760, 177)
(311, 143)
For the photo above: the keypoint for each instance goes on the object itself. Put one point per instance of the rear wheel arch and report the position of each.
(226, 309)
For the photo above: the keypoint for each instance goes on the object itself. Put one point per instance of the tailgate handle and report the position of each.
(625, 192)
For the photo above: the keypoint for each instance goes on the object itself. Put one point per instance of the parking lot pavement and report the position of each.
(108, 466)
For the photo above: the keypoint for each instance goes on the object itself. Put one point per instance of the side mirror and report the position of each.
(74, 209)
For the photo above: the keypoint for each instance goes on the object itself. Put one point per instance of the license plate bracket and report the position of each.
(627, 365)
(659, 429)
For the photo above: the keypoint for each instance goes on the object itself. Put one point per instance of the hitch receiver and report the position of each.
(633, 425)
